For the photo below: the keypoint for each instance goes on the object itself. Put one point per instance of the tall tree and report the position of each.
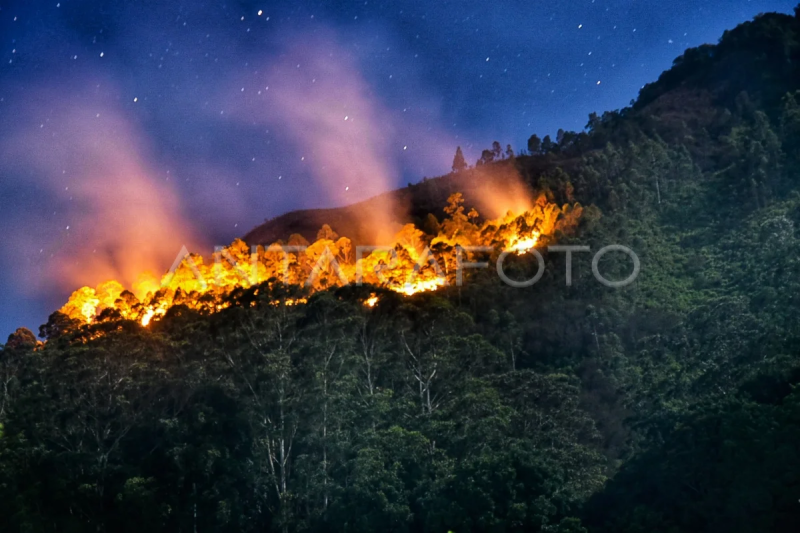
(547, 144)
(534, 144)
(487, 156)
(262, 354)
(790, 129)
(497, 150)
(459, 163)
(754, 158)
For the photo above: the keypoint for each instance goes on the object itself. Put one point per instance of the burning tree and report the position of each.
(414, 262)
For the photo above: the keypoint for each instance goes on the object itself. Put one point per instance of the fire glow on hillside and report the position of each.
(408, 266)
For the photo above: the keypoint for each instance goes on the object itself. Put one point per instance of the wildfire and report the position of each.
(89, 307)
(153, 312)
(408, 267)
(421, 286)
(522, 245)
(291, 301)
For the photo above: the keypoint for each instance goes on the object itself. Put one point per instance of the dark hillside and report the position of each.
(669, 405)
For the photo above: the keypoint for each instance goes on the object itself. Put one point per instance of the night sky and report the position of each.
(131, 128)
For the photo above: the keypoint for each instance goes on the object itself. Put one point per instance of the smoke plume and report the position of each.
(114, 216)
(352, 144)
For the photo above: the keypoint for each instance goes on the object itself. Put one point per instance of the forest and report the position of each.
(668, 405)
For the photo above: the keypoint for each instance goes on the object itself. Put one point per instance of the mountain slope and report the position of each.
(753, 66)
(667, 405)
(407, 205)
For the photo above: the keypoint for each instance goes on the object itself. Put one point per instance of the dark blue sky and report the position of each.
(129, 128)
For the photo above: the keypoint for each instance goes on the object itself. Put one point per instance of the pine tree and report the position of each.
(459, 163)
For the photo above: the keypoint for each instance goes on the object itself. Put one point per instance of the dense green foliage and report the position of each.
(670, 405)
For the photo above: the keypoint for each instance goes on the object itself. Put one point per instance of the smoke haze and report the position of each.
(117, 194)
(351, 144)
(91, 167)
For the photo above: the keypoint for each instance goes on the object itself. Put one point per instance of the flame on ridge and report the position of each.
(523, 244)
(407, 267)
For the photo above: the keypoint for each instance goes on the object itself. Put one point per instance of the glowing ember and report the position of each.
(291, 301)
(371, 301)
(148, 316)
(522, 245)
(420, 286)
(154, 311)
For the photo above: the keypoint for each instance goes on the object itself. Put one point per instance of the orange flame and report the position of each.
(407, 268)
(521, 244)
